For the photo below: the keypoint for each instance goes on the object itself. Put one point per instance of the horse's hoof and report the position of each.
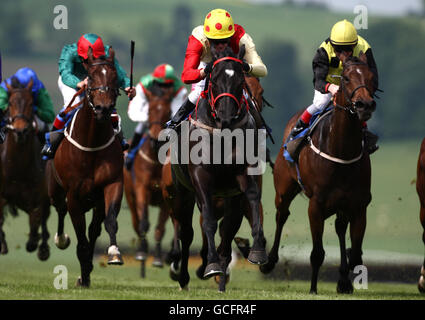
(267, 267)
(258, 257)
(81, 284)
(200, 272)
(3, 248)
(227, 278)
(114, 256)
(43, 252)
(174, 271)
(157, 262)
(141, 256)
(31, 246)
(421, 284)
(344, 287)
(185, 288)
(63, 241)
(212, 270)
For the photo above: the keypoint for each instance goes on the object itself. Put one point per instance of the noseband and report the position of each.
(213, 100)
(89, 89)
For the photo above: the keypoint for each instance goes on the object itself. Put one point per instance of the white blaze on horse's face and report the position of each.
(229, 72)
(359, 71)
(104, 71)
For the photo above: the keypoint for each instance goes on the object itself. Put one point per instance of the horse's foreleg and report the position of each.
(203, 253)
(357, 231)
(159, 234)
(113, 196)
(35, 222)
(257, 254)
(95, 227)
(83, 247)
(3, 243)
(43, 249)
(142, 202)
(421, 283)
(344, 283)
(318, 253)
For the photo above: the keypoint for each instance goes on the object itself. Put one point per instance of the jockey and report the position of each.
(73, 76)
(218, 31)
(327, 64)
(138, 108)
(43, 106)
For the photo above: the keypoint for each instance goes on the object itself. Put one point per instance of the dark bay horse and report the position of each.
(202, 182)
(87, 169)
(22, 169)
(142, 186)
(420, 187)
(336, 179)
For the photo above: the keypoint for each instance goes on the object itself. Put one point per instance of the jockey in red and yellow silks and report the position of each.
(218, 31)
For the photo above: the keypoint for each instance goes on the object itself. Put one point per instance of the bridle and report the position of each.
(213, 100)
(31, 123)
(89, 89)
(351, 105)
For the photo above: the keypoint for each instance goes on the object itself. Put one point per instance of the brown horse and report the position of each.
(87, 169)
(420, 187)
(336, 177)
(142, 185)
(22, 169)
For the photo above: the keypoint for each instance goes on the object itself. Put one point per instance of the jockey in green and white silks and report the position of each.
(73, 76)
(138, 108)
(42, 103)
(327, 64)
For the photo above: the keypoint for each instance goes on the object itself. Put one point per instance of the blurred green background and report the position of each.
(286, 36)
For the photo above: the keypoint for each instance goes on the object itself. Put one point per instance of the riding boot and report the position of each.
(181, 114)
(298, 128)
(370, 140)
(52, 143)
(129, 159)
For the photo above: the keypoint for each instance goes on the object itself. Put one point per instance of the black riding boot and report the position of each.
(129, 159)
(55, 140)
(299, 127)
(370, 140)
(181, 114)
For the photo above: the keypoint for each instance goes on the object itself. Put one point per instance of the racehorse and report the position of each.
(22, 169)
(142, 186)
(224, 108)
(334, 172)
(86, 171)
(420, 187)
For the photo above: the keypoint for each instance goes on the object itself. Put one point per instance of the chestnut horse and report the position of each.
(420, 187)
(334, 172)
(22, 169)
(142, 186)
(203, 182)
(87, 169)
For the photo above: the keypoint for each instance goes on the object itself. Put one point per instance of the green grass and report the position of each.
(393, 230)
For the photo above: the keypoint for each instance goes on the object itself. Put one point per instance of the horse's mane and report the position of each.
(353, 60)
(227, 52)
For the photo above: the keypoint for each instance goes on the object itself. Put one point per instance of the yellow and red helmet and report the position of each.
(219, 24)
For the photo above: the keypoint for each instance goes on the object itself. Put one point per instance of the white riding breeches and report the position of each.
(320, 101)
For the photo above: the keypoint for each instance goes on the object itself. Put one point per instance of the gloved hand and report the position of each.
(246, 67)
(208, 67)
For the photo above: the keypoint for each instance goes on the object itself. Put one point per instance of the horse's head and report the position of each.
(226, 86)
(102, 87)
(159, 108)
(357, 86)
(20, 110)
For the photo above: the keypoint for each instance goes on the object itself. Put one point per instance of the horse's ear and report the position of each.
(148, 95)
(8, 86)
(111, 55)
(30, 84)
(90, 56)
(363, 57)
(241, 53)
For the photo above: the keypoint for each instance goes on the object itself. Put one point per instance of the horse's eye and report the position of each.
(346, 79)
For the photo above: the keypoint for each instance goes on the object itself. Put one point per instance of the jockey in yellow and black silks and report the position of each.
(327, 66)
